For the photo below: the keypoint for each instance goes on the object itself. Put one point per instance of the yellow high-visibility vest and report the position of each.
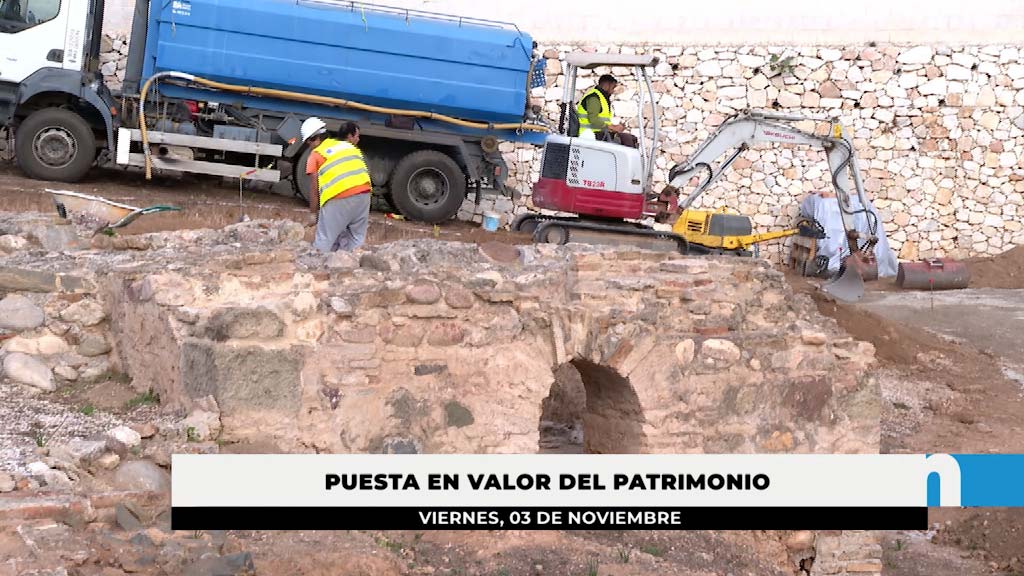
(581, 111)
(343, 171)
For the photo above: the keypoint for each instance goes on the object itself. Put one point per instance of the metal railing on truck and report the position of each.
(408, 13)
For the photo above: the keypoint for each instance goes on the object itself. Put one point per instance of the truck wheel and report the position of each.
(300, 180)
(428, 186)
(55, 144)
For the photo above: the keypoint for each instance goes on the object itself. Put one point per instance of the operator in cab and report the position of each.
(595, 114)
(340, 186)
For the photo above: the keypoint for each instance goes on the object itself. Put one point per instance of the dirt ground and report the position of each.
(947, 389)
(1003, 271)
(942, 395)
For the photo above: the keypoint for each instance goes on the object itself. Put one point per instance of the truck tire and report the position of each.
(428, 186)
(55, 144)
(300, 180)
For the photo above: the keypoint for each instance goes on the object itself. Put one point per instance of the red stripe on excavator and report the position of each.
(552, 194)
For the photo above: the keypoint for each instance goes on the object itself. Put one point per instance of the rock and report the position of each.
(341, 307)
(108, 461)
(685, 351)
(7, 483)
(813, 338)
(445, 334)
(11, 243)
(29, 371)
(933, 87)
(304, 304)
(96, 372)
(19, 313)
(55, 479)
(126, 436)
(21, 279)
(84, 312)
(37, 468)
(291, 231)
(423, 292)
(342, 261)
(93, 345)
(57, 237)
(500, 252)
(232, 565)
(789, 100)
(127, 518)
(458, 297)
(721, 351)
(231, 323)
(916, 55)
(201, 426)
(145, 430)
(829, 90)
(800, 541)
(374, 262)
(80, 452)
(710, 69)
(50, 345)
(142, 475)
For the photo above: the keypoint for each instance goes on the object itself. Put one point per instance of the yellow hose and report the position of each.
(311, 98)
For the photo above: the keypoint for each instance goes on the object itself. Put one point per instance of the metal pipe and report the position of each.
(939, 274)
(640, 96)
(655, 126)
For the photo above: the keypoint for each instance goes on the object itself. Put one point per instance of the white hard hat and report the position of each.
(311, 127)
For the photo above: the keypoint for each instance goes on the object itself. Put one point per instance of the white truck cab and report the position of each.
(51, 93)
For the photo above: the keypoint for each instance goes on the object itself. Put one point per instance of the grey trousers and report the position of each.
(342, 223)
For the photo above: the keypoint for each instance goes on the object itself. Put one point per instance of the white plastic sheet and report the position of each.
(826, 212)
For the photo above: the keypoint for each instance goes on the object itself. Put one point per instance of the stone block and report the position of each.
(242, 377)
(242, 323)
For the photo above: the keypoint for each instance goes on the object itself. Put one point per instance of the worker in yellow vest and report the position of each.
(341, 187)
(595, 114)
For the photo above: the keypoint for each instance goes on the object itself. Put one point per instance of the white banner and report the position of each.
(552, 480)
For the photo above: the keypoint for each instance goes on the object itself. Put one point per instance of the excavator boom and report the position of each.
(705, 166)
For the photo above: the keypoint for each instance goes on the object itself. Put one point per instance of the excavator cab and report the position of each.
(592, 178)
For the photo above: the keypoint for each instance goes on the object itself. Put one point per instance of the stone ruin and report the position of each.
(437, 347)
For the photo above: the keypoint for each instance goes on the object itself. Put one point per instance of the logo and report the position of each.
(943, 478)
(180, 8)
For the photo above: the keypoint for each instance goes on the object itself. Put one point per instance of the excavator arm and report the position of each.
(710, 161)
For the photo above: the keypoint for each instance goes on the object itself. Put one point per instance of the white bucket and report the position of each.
(491, 221)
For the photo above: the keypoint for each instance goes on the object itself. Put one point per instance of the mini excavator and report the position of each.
(608, 187)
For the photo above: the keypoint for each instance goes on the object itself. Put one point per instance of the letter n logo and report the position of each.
(943, 472)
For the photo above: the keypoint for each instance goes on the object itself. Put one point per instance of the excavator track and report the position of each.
(562, 230)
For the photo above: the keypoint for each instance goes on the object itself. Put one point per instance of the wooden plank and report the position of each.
(261, 148)
(212, 168)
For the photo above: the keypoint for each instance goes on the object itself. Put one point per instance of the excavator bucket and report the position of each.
(848, 285)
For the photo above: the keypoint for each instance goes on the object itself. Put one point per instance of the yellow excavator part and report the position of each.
(722, 230)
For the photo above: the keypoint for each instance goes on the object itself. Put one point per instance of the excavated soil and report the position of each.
(1003, 271)
(941, 395)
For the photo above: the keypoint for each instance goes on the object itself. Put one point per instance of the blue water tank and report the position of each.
(394, 58)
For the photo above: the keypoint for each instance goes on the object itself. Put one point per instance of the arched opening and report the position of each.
(591, 409)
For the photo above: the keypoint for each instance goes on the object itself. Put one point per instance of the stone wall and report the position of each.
(939, 132)
(438, 347)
